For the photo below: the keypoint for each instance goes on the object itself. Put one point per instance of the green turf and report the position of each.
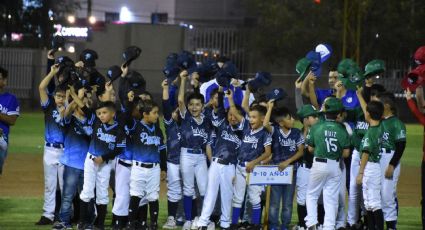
(27, 138)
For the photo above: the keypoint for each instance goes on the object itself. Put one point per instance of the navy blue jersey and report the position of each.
(225, 140)
(172, 131)
(146, 142)
(77, 141)
(284, 146)
(253, 142)
(194, 133)
(53, 129)
(127, 154)
(9, 105)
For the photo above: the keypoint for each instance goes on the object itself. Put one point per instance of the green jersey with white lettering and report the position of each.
(394, 131)
(372, 143)
(329, 139)
(360, 128)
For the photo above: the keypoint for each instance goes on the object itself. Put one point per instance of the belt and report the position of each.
(55, 145)
(306, 165)
(388, 151)
(221, 161)
(123, 163)
(145, 165)
(324, 160)
(194, 151)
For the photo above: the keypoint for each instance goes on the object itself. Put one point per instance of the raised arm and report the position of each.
(245, 100)
(312, 91)
(232, 106)
(412, 106)
(266, 122)
(180, 99)
(362, 101)
(42, 88)
(298, 96)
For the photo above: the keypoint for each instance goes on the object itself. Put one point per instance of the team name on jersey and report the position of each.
(330, 133)
(105, 136)
(231, 137)
(4, 109)
(362, 125)
(288, 142)
(251, 140)
(197, 132)
(56, 116)
(149, 140)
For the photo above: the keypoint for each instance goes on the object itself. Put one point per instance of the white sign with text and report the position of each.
(270, 175)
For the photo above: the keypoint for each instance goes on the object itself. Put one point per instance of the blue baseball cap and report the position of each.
(316, 63)
(276, 94)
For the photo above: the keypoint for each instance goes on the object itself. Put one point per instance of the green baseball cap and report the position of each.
(345, 64)
(307, 110)
(303, 67)
(352, 78)
(333, 104)
(374, 67)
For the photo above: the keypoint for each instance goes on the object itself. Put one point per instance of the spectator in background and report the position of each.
(9, 112)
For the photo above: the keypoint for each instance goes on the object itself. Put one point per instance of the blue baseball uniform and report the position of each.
(284, 146)
(9, 105)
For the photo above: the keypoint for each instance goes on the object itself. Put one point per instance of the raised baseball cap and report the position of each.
(303, 67)
(414, 78)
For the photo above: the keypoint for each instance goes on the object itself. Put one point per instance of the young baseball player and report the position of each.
(77, 130)
(329, 142)
(107, 141)
(308, 116)
(194, 129)
(53, 108)
(255, 147)
(394, 143)
(287, 148)
(174, 192)
(369, 175)
(145, 172)
(222, 154)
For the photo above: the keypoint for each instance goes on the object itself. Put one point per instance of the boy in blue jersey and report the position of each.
(255, 148)
(172, 129)
(195, 127)
(77, 131)
(145, 172)
(107, 141)
(287, 148)
(222, 153)
(9, 113)
(53, 108)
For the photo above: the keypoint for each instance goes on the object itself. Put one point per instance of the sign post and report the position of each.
(269, 175)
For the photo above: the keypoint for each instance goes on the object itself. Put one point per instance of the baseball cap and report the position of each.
(130, 54)
(374, 67)
(303, 67)
(325, 51)
(420, 55)
(185, 60)
(316, 62)
(58, 42)
(114, 72)
(345, 64)
(333, 104)
(307, 110)
(414, 78)
(88, 57)
(261, 79)
(276, 94)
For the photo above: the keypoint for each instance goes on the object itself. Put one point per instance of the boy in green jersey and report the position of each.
(369, 175)
(329, 141)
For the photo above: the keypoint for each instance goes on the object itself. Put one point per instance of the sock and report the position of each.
(115, 219)
(194, 208)
(83, 212)
(187, 205)
(370, 220)
(256, 214)
(133, 207)
(172, 208)
(321, 213)
(76, 205)
(391, 224)
(235, 215)
(302, 213)
(101, 214)
(378, 217)
(153, 211)
(57, 203)
(143, 214)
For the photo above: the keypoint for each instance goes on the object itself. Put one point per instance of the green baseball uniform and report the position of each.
(371, 143)
(328, 138)
(394, 131)
(359, 131)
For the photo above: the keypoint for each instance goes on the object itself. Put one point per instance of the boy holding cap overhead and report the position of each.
(329, 141)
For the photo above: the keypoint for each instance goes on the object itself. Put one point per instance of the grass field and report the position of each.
(21, 186)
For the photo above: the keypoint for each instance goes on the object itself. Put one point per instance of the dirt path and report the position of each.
(23, 177)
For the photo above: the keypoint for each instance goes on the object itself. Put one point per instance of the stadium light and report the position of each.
(92, 20)
(125, 14)
(71, 19)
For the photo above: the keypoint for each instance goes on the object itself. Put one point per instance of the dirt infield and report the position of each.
(23, 177)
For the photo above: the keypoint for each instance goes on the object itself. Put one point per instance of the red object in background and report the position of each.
(317, 1)
(414, 79)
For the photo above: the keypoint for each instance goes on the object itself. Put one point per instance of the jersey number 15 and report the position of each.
(331, 144)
